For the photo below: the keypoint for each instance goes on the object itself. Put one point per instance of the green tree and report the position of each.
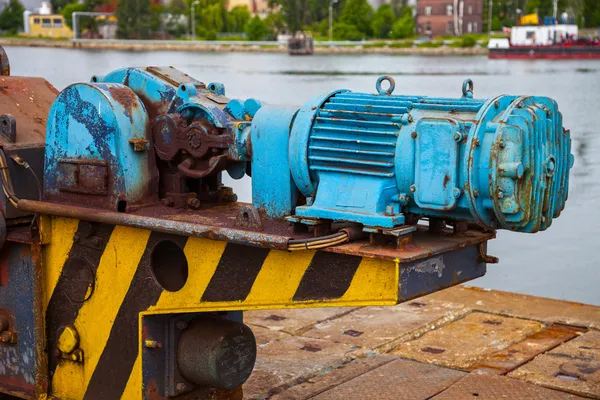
(133, 19)
(382, 21)
(591, 13)
(11, 18)
(176, 18)
(275, 23)
(69, 9)
(344, 31)
(237, 19)
(405, 26)
(256, 29)
(359, 14)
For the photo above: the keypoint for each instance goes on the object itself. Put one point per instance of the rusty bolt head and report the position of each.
(167, 202)
(6, 337)
(500, 194)
(413, 135)
(413, 188)
(458, 136)
(193, 203)
(497, 104)
(475, 193)
(477, 142)
(501, 144)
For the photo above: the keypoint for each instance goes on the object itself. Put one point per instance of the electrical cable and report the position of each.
(319, 243)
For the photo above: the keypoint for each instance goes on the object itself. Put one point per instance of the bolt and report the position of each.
(167, 202)
(497, 104)
(501, 144)
(551, 166)
(232, 198)
(389, 210)
(96, 241)
(413, 188)
(458, 192)
(477, 142)
(413, 135)
(193, 203)
(152, 344)
(181, 325)
(458, 136)
(475, 193)
(500, 194)
(6, 337)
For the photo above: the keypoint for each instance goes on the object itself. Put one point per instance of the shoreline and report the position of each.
(157, 45)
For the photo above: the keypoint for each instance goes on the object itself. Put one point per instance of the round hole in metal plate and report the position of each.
(169, 265)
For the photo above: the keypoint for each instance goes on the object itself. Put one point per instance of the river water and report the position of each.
(560, 263)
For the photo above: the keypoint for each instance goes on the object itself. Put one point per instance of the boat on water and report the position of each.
(301, 44)
(553, 41)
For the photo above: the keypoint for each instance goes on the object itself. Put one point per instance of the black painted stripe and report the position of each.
(237, 270)
(77, 276)
(118, 357)
(328, 276)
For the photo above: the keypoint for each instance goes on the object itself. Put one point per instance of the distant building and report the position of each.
(44, 23)
(256, 7)
(48, 25)
(449, 17)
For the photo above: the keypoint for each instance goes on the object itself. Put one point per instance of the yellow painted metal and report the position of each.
(68, 339)
(57, 251)
(374, 283)
(96, 316)
(133, 389)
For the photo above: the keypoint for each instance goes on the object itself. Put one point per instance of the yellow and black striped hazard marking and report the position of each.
(99, 279)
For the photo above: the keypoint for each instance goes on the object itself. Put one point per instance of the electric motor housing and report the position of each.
(371, 159)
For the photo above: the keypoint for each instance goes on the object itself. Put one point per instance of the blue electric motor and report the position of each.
(370, 159)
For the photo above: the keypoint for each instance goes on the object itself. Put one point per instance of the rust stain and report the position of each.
(446, 180)
(432, 350)
(124, 96)
(492, 322)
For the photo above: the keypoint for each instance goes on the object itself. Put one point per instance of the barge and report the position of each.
(545, 42)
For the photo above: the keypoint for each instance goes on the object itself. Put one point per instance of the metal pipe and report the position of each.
(490, 9)
(75, 16)
(238, 236)
(194, 4)
(331, 2)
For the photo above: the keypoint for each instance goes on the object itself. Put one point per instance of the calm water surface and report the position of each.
(560, 263)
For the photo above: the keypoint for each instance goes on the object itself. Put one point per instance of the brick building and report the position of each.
(449, 17)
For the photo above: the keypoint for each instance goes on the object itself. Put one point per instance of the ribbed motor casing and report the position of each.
(357, 133)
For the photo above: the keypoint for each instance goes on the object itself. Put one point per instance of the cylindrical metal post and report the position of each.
(216, 352)
(490, 10)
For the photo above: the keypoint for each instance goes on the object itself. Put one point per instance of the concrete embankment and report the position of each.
(263, 47)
